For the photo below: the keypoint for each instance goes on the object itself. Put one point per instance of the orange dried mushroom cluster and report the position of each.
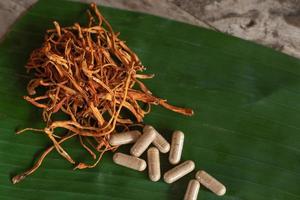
(89, 74)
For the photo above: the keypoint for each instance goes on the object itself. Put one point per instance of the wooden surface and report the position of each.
(274, 23)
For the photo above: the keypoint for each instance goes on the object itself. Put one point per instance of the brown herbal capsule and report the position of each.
(192, 190)
(176, 147)
(210, 183)
(143, 142)
(124, 138)
(153, 164)
(129, 161)
(179, 171)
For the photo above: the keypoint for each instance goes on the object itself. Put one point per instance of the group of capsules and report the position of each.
(151, 136)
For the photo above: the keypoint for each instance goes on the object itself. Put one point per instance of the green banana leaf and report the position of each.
(245, 131)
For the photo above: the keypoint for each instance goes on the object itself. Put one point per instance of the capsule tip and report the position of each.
(143, 165)
(115, 157)
(154, 178)
(134, 152)
(147, 127)
(222, 191)
(174, 161)
(167, 179)
(153, 149)
(178, 132)
(166, 148)
(112, 141)
(191, 163)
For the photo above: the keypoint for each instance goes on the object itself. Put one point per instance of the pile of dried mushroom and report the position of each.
(89, 74)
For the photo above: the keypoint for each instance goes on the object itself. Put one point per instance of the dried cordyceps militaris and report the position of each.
(88, 73)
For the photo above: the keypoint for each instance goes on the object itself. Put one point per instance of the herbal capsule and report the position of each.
(176, 147)
(179, 171)
(153, 164)
(211, 183)
(143, 142)
(129, 161)
(160, 142)
(192, 190)
(124, 138)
